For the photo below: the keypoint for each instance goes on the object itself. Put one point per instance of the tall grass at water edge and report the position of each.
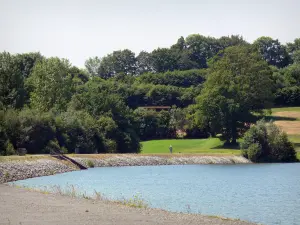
(135, 201)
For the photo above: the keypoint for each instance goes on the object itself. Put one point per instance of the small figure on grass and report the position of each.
(171, 149)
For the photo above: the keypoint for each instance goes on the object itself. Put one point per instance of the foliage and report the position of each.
(154, 125)
(78, 131)
(265, 142)
(11, 82)
(163, 59)
(10, 150)
(144, 63)
(98, 102)
(239, 83)
(93, 66)
(51, 84)
(36, 131)
(48, 104)
(90, 163)
(136, 202)
(117, 62)
(52, 147)
(253, 152)
(288, 96)
(272, 51)
(176, 78)
(293, 49)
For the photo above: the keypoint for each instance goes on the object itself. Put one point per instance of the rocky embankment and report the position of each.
(19, 170)
(140, 160)
(23, 169)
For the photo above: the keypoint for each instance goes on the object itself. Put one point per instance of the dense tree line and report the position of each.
(212, 84)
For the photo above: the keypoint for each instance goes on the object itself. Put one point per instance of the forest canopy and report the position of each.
(213, 86)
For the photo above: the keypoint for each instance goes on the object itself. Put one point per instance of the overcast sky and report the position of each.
(78, 29)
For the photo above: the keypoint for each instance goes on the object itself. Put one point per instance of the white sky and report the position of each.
(78, 29)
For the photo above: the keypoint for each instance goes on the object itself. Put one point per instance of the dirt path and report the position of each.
(19, 206)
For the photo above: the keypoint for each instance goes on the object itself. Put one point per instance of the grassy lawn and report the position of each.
(286, 109)
(190, 146)
(287, 118)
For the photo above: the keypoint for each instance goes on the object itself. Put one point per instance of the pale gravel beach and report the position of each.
(20, 206)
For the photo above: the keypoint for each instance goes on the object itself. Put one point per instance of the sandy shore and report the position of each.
(20, 206)
(23, 168)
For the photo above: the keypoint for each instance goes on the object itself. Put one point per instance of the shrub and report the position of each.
(64, 150)
(110, 145)
(10, 150)
(265, 142)
(90, 164)
(52, 147)
(254, 152)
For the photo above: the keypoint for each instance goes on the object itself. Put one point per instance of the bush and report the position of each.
(110, 146)
(52, 147)
(10, 150)
(90, 164)
(254, 152)
(265, 142)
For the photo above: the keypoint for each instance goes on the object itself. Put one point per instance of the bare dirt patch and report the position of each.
(290, 127)
(288, 114)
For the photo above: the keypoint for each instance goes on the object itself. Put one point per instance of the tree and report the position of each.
(293, 46)
(51, 84)
(292, 75)
(122, 61)
(201, 48)
(11, 82)
(154, 125)
(93, 66)
(27, 61)
(163, 59)
(228, 41)
(272, 51)
(144, 63)
(99, 102)
(239, 83)
(78, 75)
(177, 78)
(265, 142)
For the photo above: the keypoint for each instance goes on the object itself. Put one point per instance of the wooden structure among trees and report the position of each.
(156, 108)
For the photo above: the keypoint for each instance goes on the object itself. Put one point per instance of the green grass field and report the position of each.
(286, 109)
(214, 145)
(190, 146)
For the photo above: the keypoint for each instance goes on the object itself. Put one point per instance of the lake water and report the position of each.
(262, 193)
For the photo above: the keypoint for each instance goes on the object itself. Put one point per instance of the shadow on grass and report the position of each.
(276, 118)
(233, 147)
(296, 145)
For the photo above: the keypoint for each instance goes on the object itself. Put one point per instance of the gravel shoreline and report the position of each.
(20, 206)
(23, 169)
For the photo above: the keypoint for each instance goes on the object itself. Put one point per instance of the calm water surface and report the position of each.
(261, 193)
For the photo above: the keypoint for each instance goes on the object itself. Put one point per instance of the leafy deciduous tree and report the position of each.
(51, 83)
(240, 82)
(272, 51)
